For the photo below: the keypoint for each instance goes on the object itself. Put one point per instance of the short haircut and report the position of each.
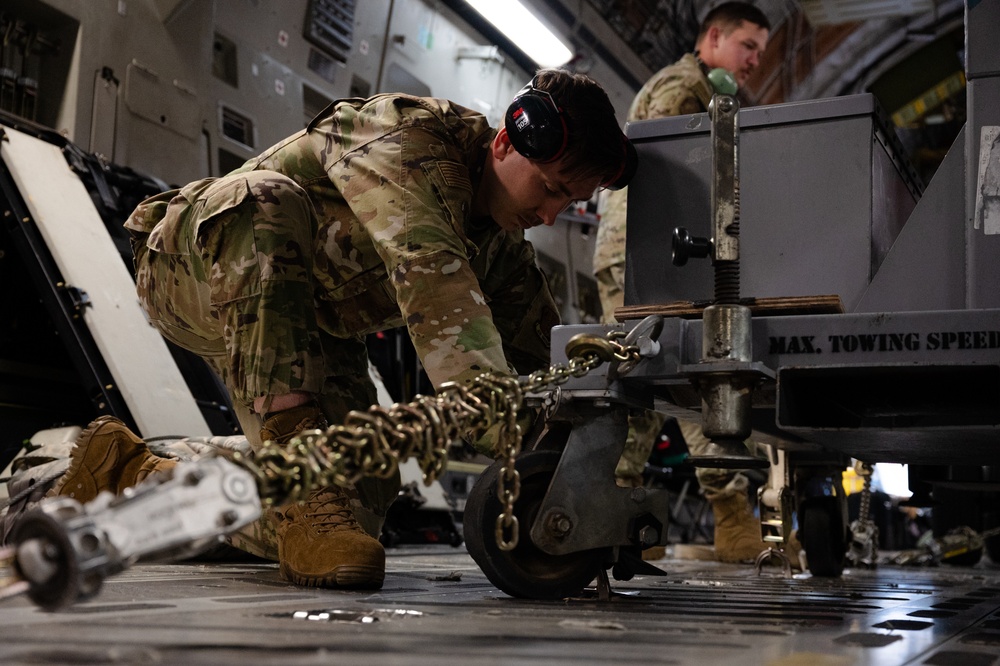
(595, 145)
(729, 15)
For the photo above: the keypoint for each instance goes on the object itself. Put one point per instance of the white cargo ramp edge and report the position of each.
(137, 356)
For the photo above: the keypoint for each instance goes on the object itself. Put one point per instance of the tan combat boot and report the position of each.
(738, 535)
(107, 456)
(320, 542)
(737, 529)
(281, 427)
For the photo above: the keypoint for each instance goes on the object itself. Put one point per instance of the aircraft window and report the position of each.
(236, 126)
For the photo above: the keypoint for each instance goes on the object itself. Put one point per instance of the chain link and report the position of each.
(863, 548)
(865, 471)
(375, 441)
(866, 504)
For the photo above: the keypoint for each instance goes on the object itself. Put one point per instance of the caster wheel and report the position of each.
(823, 533)
(526, 571)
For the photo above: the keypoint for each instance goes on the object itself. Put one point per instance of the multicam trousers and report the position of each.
(239, 293)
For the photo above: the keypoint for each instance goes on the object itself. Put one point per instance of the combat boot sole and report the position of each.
(347, 576)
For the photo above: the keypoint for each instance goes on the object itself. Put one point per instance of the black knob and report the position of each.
(685, 246)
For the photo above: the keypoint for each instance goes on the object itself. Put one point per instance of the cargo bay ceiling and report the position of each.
(819, 48)
(909, 53)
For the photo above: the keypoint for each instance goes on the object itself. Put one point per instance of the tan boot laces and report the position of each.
(329, 510)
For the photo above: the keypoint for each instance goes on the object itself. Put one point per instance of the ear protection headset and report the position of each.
(723, 81)
(537, 130)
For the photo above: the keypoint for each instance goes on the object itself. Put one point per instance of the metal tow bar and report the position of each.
(64, 550)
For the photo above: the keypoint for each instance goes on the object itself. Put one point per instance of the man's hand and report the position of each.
(489, 443)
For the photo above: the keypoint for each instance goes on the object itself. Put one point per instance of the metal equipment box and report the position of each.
(825, 189)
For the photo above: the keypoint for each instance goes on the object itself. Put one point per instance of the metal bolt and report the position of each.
(648, 536)
(50, 551)
(559, 524)
(638, 495)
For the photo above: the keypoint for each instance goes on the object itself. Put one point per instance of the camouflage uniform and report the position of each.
(678, 89)
(675, 90)
(361, 222)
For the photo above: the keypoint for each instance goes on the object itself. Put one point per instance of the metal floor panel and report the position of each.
(438, 608)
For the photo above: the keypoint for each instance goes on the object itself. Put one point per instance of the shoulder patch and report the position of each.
(454, 174)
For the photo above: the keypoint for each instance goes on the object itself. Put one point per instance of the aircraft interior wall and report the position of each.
(181, 89)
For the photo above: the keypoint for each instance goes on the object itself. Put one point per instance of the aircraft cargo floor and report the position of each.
(438, 608)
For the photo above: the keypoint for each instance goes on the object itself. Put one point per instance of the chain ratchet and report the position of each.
(63, 550)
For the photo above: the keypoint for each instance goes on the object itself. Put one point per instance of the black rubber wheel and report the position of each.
(53, 547)
(526, 571)
(823, 533)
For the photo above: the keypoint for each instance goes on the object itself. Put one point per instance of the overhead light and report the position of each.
(523, 28)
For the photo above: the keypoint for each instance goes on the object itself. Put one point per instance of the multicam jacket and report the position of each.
(391, 181)
(675, 90)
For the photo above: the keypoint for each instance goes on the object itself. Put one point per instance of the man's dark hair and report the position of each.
(595, 145)
(729, 15)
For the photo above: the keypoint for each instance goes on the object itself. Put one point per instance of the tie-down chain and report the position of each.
(373, 442)
(64, 551)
